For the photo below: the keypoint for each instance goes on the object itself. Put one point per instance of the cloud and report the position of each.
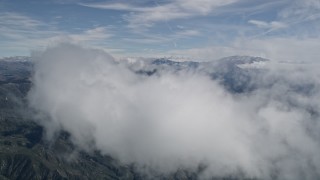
(268, 25)
(18, 20)
(94, 34)
(157, 25)
(181, 120)
(16, 26)
(302, 10)
(22, 34)
(116, 6)
(188, 33)
(147, 38)
(177, 9)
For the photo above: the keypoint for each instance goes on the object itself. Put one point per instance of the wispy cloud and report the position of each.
(299, 13)
(116, 6)
(165, 26)
(302, 10)
(21, 33)
(146, 38)
(268, 25)
(17, 26)
(19, 21)
(177, 9)
(94, 34)
(188, 33)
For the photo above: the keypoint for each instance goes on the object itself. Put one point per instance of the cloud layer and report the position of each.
(177, 9)
(181, 120)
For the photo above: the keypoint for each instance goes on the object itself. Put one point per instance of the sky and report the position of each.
(176, 120)
(283, 30)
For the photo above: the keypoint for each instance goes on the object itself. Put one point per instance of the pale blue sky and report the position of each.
(190, 28)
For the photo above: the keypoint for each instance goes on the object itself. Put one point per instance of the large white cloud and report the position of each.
(179, 120)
